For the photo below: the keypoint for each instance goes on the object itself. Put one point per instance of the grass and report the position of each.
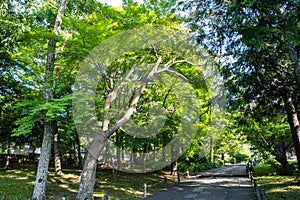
(276, 186)
(18, 183)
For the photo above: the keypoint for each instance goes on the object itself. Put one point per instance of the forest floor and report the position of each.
(17, 183)
(276, 186)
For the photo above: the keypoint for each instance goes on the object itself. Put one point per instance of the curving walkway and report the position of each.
(225, 183)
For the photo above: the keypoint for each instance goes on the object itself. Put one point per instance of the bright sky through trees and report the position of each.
(116, 2)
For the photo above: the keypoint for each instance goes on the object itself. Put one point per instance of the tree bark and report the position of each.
(174, 168)
(119, 162)
(174, 160)
(78, 151)
(57, 161)
(39, 192)
(211, 147)
(295, 60)
(8, 154)
(143, 157)
(163, 158)
(87, 181)
(280, 156)
(7, 161)
(88, 175)
(293, 123)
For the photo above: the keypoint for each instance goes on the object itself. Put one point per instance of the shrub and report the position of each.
(241, 158)
(196, 166)
(271, 162)
(183, 166)
(264, 170)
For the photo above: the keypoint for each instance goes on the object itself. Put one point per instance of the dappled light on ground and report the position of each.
(119, 186)
(280, 187)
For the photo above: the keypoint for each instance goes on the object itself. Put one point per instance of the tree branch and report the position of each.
(133, 104)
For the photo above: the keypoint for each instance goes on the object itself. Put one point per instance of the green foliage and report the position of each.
(162, 7)
(196, 166)
(297, 176)
(24, 36)
(274, 168)
(256, 63)
(34, 110)
(95, 25)
(271, 161)
(264, 170)
(241, 158)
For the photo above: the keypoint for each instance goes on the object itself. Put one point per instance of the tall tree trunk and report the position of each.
(131, 159)
(211, 145)
(293, 122)
(143, 158)
(88, 175)
(119, 162)
(7, 161)
(39, 192)
(154, 151)
(295, 60)
(87, 181)
(8, 154)
(78, 151)
(280, 156)
(174, 160)
(163, 158)
(57, 161)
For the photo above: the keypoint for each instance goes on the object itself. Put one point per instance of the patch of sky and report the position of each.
(117, 3)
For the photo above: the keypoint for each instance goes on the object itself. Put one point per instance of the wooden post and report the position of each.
(165, 181)
(187, 174)
(145, 190)
(262, 194)
(106, 197)
(255, 184)
(178, 177)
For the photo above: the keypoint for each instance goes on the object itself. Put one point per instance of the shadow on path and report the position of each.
(225, 183)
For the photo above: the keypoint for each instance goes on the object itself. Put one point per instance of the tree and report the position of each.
(268, 135)
(11, 89)
(260, 42)
(137, 78)
(88, 32)
(42, 171)
(230, 140)
(85, 27)
(164, 93)
(30, 56)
